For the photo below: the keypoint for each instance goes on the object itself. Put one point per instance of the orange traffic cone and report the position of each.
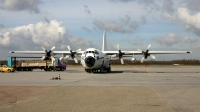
(59, 76)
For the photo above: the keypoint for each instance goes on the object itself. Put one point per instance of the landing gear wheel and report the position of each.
(109, 69)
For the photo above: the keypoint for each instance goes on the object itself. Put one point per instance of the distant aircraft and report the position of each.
(95, 60)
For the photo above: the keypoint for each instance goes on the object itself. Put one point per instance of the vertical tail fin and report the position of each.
(104, 46)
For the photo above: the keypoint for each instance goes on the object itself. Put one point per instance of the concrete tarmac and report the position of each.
(126, 76)
(153, 89)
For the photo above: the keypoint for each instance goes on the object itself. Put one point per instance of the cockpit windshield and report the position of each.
(94, 52)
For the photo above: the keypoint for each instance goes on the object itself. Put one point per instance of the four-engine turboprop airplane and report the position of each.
(94, 60)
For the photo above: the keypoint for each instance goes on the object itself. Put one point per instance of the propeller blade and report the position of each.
(52, 58)
(69, 48)
(61, 58)
(153, 57)
(142, 60)
(139, 50)
(43, 57)
(53, 48)
(78, 50)
(113, 56)
(76, 61)
(66, 57)
(118, 46)
(122, 61)
(149, 47)
(43, 48)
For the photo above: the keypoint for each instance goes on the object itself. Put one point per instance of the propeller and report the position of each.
(73, 54)
(120, 54)
(48, 54)
(146, 54)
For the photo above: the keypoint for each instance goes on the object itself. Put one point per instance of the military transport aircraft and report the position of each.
(95, 60)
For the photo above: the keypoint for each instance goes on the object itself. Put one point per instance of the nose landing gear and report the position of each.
(100, 70)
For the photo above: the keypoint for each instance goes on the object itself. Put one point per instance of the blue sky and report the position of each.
(166, 24)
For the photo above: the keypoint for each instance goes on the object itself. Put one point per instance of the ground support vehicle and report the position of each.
(5, 68)
(29, 65)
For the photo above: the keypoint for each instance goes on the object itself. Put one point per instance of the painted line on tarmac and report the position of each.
(137, 69)
(149, 74)
(145, 73)
(151, 69)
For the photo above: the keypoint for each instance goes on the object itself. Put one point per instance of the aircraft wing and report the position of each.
(43, 52)
(120, 54)
(28, 52)
(170, 52)
(66, 52)
(106, 52)
(150, 52)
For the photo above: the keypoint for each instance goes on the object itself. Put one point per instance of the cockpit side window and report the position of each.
(96, 52)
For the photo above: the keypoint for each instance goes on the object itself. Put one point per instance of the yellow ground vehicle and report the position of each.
(4, 68)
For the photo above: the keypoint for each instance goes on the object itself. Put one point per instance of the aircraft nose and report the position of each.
(89, 61)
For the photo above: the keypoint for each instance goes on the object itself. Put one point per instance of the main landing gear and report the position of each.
(101, 70)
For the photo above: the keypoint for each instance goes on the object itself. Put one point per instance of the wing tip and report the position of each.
(189, 52)
(11, 52)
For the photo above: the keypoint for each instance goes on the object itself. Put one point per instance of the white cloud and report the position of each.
(125, 25)
(190, 40)
(109, 25)
(87, 10)
(145, 2)
(5, 39)
(168, 10)
(193, 5)
(168, 6)
(187, 19)
(47, 33)
(2, 26)
(143, 20)
(150, 5)
(196, 47)
(86, 29)
(134, 43)
(122, 0)
(126, 20)
(19, 5)
(43, 33)
(168, 39)
(168, 16)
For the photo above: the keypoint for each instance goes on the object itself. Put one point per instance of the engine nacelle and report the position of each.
(133, 60)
